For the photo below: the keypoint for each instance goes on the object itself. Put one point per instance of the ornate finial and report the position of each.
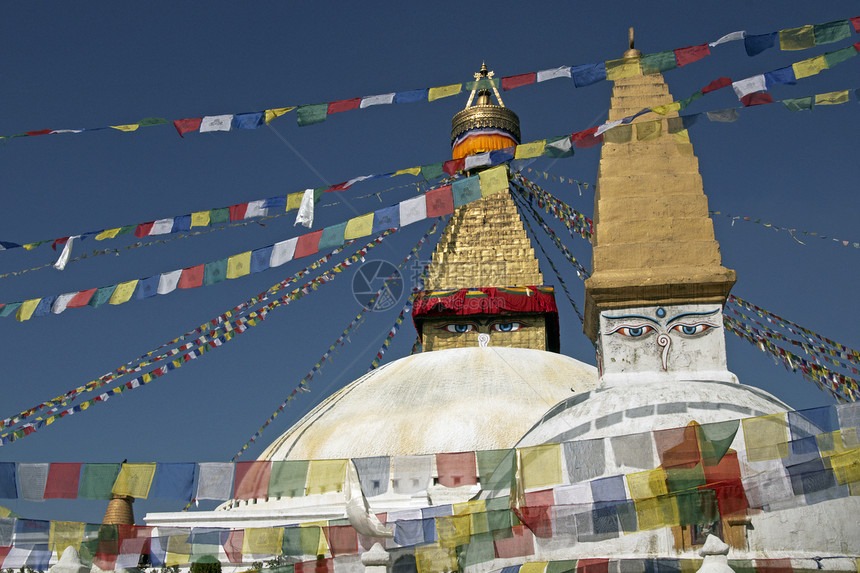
(631, 52)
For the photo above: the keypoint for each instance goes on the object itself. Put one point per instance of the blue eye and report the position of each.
(633, 331)
(507, 326)
(459, 328)
(692, 329)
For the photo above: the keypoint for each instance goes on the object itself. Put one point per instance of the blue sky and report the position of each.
(108, 63)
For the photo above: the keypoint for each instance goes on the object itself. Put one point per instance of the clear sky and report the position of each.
(92, 64)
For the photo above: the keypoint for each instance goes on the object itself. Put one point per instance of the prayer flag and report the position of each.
(691, 54)
(263, 540)
(191, 277)
(757, 44)
(294, 200)
(283, 252)
(237, 212)
(453, 166)
(440, 201)
(381, 99)
(659, 62)
(134, 480)
(332, 236)
(101, 296)
(560, 72)
(730, 37)
(213, 272)
(132, 127)
(256, 209)
(724, 115)
(781, 76)
(623, 68)
(810, 67)
(559, 147)
(413, 210)
(183, 126)
(25, 311)
(839, 56)
(200, 219)
(32, 479)
(410, 171)
(8, 485)
(252, 480)
(325, 475)
(311, 114)
(456, 470)
(541, 466)
(477, 160)
(173, 480)
(373, 474)
(344, 105)
(181, 223)
(96, 480)
(287, 479)
(143, 229)
(588, 74)
(123, 292)
(831, 32)
(63, 534)
(718, 83)
(248, 120)
(277, 112)
(260, 259)
(666, 108)
(494, 180)
(239, 265)
(358, 227)
(435, 559)
(832, 98)
(512, 82)
(411, 96)
(215, 480)
(758, 98)
(411, 474)
(648, 130)
(342, 540)
(168, 281)
(221, 215)
(107, 234)
(63, 481)
(797, 38)
(444, 91)
(749, 85)
(765, 437)
(466, 190)
(216, 123)
(527, 150)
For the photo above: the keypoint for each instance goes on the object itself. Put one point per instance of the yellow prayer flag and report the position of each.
(623, 68)
(294, 200)
(535, 567)
(809, 67)
(277, 112)
(469, 507)
(541, 465)
(108, 234)
(200, 219)
(832, 98)
(410, 171)
(846, 466)
(832, 443)
(534, 149)
(30, 246)
(63, 534)
(664, 109)
(176, 558)
(647, 484)
(657, 512)
(434, 559)
(265, 540)
(123, 291)
(797, 38)
(5, 512)
(320, 544)
(765, 437)
(648, 130)
(25, 311)
(239, 265)
(454, 530)
(682, 136)
(325, 475)
(134, 480)
(358, 227)
(132, 127)
(619, 134)
(444, 91)
(493, 180)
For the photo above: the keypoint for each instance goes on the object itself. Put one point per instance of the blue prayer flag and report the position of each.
(411, 96)
(759, 43)
(260, 259)
(588, 74)
(387, 218)
(173, 480)
(780, 76)
(146, 288)
(8, 484)
(181, 223)
(248, 120)
(275, 202)
(500, 156)
(44, 306)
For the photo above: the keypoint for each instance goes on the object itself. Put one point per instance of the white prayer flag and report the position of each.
(749, 85)
(729, 38)
(413, 210)
(216, 123)
(62, 301)
(256, 209)
(162, 227)
(283, 252)
(381, 99)
(305, 216)
(561, 72)
(477, 160)
(168, 281)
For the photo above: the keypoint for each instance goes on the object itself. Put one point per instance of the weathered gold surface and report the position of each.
(653, 239)
(485, 116)
(119, 511)
(437, 338)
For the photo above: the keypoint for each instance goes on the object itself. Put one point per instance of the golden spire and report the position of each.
(631, 52)
(653, 239)
(500, 125)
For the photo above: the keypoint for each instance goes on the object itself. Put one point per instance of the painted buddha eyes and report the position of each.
(692, 329)
(462, 328)
(507, 326)
(459, 328)
(633, 331)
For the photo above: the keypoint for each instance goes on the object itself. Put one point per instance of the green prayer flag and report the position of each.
(479, 549)
(332, 236)
(221, 215)
(683, 479)
(558, 147)
(561, 566)
(485, 84)
(495, 469)
(126, 230)
(101, 296)
(9, 309)
(659, 62)
(832, 32)
(301, 540)
(499, 520)
(497, 503)
(311, 114)
(97, 481)
(466, 190)
(798, 103)
(287, 479)
(697, 507)
(715, 439)
(839, 56)
(687, 101)
(152, 121)
(432, 171)
(214, 272)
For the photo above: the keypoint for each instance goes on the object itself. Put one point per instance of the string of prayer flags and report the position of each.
(844, 243)
(228, 329)
(340, 341)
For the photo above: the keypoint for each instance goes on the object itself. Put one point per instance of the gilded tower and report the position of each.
(485, 286)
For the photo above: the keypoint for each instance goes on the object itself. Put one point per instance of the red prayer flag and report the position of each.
(757, 98)
(691, 54)
(439, 201)
(342, 539)
(725, 479)
(143, 229)
(252, 479)
(40, 132)
(773, 565)
(192, 277)
(856, 22)
(344, 105)
(321, 565)
(585, 139)
(457, 469)
(237, 212)
(592, 566)
(308, 244)
(186, 125)
(454, 165)
(4, 551)
(81, 299)
(233, 545)
(59, 242)
(512, 82)
(519, 544)
(338, 187)
(678, 447)
(718, 83)
(62, 482)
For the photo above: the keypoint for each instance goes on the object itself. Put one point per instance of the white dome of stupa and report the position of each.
(461, 399)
